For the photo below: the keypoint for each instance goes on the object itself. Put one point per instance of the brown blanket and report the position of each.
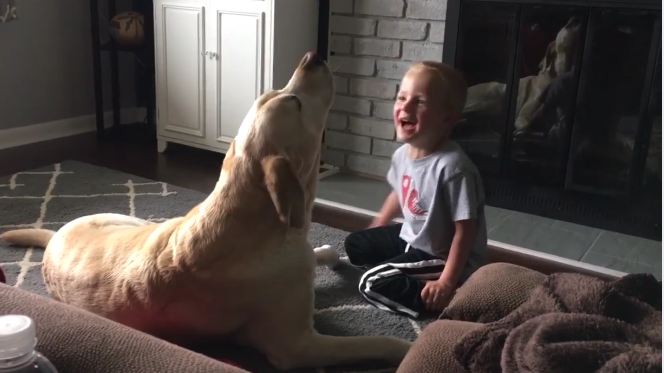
(577, 323)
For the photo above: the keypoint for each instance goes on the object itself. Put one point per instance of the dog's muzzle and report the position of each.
(310, 60)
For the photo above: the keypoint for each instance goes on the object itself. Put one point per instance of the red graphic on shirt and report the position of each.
(410, 197)
(405, 186)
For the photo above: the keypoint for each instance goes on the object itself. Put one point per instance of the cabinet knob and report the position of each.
(211, 55)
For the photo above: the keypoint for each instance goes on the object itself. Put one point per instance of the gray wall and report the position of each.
(46, 64)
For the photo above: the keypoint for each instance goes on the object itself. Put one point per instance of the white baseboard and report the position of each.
(33, 133)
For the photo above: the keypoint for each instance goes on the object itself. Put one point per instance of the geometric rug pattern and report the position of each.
(51, 196)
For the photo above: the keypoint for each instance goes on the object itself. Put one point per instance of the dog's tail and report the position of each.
(28, 237)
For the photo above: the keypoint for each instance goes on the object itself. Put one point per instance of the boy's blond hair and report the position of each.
(452, 82)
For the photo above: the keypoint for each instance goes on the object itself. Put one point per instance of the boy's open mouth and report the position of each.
(407, 124)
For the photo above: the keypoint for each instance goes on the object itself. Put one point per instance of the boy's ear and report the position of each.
(285, 190)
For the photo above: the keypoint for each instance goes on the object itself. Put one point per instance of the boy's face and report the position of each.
(419, 116)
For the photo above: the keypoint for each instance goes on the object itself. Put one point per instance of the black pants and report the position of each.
(396, 274)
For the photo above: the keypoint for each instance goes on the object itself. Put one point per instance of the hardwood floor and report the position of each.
(179, 165)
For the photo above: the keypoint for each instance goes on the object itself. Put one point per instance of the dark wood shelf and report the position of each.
(144, 82)
(111, 45)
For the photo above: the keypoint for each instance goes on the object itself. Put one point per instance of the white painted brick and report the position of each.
(341, 6)
(340, 84)
(437, 32)
(427, 9)
(371, 127)
(353, 65)
(384, 148)
(371, 54)
(389, 8)
(340, 44)
(333, 157)
(376, 166)
(422, 51)
(352, 25)
(346, 141)
(410, 30)
(337, 121)
(353, 105)
(383, 110)
(392, 69)
(376, 47)
(379, 88)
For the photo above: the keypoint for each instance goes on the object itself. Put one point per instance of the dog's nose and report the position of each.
(574, 21)
(312, 59)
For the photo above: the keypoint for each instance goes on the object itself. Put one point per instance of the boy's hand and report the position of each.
(436, 295)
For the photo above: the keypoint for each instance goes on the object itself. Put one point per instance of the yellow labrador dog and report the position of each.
(238, 265)
(489, 97)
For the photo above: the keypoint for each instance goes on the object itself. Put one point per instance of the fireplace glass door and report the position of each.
(560, 95)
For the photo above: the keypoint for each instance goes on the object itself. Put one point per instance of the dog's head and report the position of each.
(281, 137)
(561, 52)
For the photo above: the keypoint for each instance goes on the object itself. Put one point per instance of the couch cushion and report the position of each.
(433, 351)
(79, 341)
(492, 292)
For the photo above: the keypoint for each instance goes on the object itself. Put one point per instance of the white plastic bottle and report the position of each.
(17, 347)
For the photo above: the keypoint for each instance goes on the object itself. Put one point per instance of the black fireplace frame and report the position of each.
(454, 8)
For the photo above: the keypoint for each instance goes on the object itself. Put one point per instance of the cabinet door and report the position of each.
(180, 70)
(236, 34)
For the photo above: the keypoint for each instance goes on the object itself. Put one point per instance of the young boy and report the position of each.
(417, 265)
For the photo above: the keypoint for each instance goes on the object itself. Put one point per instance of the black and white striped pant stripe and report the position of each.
(395, 286)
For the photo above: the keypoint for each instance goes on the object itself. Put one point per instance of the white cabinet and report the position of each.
(180, 72)
(215, 57)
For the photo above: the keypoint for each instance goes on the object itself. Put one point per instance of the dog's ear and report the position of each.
(285, 190)
(549, 57)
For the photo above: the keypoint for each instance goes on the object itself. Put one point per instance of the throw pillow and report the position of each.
(493, 291)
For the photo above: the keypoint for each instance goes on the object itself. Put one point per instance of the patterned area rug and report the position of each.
(51, 196)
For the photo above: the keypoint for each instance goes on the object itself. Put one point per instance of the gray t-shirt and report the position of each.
(434, 192)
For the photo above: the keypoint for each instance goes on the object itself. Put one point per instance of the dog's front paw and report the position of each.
(326, 255)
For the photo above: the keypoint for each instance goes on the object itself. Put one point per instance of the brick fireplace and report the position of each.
(564, 111)
(371, 44)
